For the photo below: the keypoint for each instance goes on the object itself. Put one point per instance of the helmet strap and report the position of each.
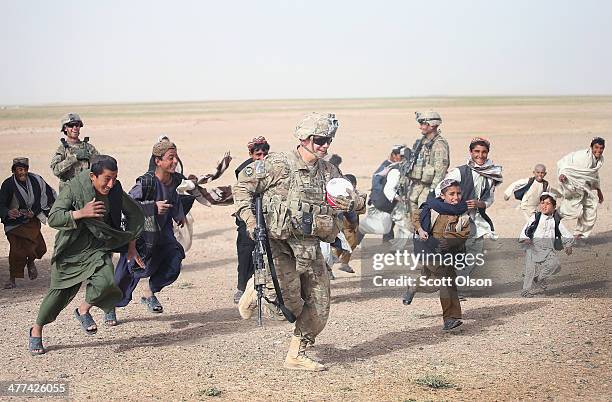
(310, 151)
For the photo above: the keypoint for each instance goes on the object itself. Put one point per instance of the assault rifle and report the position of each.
(260, 275)
(405, 168)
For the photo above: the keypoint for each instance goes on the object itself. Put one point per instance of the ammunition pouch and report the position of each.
(82, 154)
(305, 224)
(428, 174)
(416, 173)
(278, 218)
(300, 219)
(326, 228)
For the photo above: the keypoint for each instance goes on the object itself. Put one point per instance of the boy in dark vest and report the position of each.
(478, 179)
(542, 236)
(529, 190)
(25, 201)
(162, 254)
(383, 198)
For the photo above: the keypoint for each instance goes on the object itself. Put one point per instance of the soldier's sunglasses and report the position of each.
(320, 141)
(74, 124)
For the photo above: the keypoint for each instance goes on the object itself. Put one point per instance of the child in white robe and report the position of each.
(541, 237)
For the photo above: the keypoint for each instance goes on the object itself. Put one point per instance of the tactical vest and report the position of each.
(423, 169)
(78, 167)
(303, 212)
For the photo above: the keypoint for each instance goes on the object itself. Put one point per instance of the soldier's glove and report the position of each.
(82, 154)
(352, 202)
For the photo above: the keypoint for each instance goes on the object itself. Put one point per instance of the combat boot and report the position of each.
(296, 357)
(248, 301)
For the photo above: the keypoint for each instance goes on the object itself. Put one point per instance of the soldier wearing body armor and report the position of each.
(73, 155)
(431, 153)
(292, 186)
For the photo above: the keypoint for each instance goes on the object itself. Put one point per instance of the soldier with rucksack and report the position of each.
(529, 190)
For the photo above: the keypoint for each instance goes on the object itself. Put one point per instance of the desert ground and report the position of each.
(551, 347)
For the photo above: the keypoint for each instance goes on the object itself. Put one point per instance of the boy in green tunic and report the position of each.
(87, 214)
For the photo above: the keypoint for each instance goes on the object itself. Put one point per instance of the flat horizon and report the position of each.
(162, 102)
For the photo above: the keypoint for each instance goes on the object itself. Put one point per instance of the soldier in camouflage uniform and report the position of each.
(292, 186)
(432, 159)
(73, 155)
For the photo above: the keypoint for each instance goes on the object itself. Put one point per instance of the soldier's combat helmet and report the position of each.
(70, 118)
(432, 118)
(319, 124)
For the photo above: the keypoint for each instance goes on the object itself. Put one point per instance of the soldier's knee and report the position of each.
(294, 304)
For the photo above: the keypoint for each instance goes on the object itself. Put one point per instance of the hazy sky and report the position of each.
(123, 51)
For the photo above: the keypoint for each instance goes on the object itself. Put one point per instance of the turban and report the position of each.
(256, 141)
(20, 162)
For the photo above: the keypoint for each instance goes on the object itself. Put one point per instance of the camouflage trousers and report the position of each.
(418, 194)
(304, 283)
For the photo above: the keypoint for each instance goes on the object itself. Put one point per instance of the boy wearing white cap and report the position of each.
(542, 236)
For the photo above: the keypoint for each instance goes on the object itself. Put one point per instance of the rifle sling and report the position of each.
(279, 296)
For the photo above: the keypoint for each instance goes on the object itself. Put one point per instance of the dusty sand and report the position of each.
(375, 348)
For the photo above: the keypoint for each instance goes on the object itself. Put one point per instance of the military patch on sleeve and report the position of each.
(260, 167)
(248, 171)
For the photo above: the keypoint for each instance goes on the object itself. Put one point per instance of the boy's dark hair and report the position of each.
(550, 197)
(483, 143)
(352, 179)
(99, 163)
(397, 149)
(260, 147)
(454, 183)
(599, 141)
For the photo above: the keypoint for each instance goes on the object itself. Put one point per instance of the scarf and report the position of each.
(488, 170)
(576, 166)
(221, 195)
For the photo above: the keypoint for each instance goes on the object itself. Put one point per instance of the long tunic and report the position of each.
(84, 245)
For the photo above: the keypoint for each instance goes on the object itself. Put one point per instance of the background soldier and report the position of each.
(292, 186)
(73, 155)
(432, 159)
